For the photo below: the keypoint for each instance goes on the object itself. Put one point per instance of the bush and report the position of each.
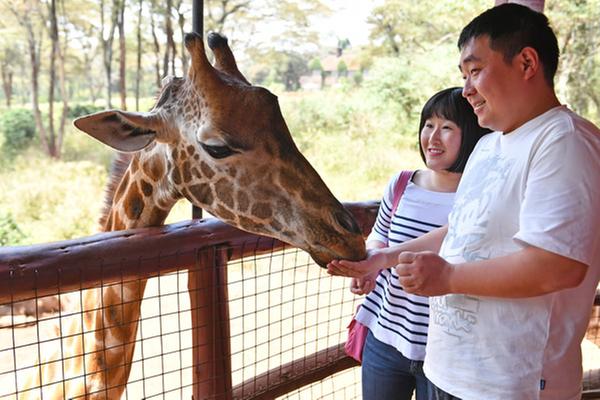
(78, 110)
(62, 204)
(10, 234)
(17, 127)
(395, 85)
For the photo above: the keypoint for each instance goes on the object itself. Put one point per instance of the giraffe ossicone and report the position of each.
(221, 143)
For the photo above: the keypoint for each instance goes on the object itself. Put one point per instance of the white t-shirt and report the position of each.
(538, 185)
(395, 317)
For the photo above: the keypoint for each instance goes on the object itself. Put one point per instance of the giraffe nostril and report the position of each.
(347, 221)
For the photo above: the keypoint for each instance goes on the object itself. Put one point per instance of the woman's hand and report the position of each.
(364, 285)
(357, 269)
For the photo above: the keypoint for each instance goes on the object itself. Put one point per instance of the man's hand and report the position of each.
(358, 269)
(364, 285)
(424, 273)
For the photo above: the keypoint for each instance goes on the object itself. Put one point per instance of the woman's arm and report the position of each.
(380, 258)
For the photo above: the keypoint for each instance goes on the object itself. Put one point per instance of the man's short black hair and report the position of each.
(451, 105)
(512, 27)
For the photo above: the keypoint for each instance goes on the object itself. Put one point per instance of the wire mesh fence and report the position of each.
(280, 307)
(251, 319)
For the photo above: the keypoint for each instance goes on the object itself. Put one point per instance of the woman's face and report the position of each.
(440, 142)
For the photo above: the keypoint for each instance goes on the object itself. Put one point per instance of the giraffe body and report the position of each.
(223, 144)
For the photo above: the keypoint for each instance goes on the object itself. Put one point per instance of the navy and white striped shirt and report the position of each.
(395, 317)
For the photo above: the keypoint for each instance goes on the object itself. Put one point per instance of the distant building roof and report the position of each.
(350, 58)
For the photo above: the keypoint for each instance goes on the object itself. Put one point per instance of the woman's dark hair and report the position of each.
(451, 105)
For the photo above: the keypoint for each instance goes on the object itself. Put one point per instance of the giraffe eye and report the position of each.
(218, 151)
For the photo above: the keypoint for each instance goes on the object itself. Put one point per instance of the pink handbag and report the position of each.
(357, 332)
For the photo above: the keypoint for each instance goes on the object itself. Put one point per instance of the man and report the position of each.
(520, 260)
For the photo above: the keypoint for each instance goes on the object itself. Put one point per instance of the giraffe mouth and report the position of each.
(324, 256)
(320, 259)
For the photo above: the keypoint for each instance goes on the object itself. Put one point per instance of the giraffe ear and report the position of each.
(121, 130)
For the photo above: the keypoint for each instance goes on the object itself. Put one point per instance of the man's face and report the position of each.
(491, 85)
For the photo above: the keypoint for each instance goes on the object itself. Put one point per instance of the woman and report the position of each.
(395, 346)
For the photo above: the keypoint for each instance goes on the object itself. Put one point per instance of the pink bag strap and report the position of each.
(399, 189)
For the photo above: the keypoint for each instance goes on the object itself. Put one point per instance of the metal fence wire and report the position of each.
(250, 319)
(282, 307)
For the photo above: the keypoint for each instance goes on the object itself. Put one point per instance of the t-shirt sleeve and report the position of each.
(560, 212)
(384, 218)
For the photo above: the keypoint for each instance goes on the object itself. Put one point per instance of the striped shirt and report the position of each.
(395, 317)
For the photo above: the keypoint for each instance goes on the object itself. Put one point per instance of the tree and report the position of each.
(7, 68)
(122, 52)
(283, 67)
(181, 11)
(218, 12)
(170, 48)
(138, 71)
(27, 14)
(577, 24)
(342, 68)
(156, 44)
(107, 44)
(404, 26)
(274, 24)
(55, 139)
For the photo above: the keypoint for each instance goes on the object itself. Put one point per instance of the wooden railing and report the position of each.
(204, 247)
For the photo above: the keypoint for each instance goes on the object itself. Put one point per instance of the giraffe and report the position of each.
(221, 143)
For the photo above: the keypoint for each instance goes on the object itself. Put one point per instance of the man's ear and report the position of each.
(529, 61)
(121, 130)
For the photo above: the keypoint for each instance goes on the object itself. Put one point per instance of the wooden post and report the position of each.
(207, 285)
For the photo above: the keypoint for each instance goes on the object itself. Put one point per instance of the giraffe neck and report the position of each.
(141, 198)
(139, 201)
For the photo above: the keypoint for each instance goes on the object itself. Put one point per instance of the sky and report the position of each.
(349, 20)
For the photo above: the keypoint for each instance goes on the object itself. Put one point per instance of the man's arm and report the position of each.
(378, 259)
(525, 273)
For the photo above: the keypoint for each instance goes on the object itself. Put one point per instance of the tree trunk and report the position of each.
(181, 23)
(52, 151)
(63, 89)
(7, 84)
(107, 50)
(24, 17)
(156, 44)
(169, 55)
(35, 85)
(122, 54)
(138, 72)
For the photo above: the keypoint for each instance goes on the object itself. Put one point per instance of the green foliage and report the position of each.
(405, 27)
(52, 200)
(78, 110)
(315, 65)
(10, 234)
(356, 136)
(79, 146)
(17, 127)
(577, 25)
(393, 84)
(352, 140)
(342, 68)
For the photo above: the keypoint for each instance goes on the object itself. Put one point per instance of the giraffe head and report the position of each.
(223, 144)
